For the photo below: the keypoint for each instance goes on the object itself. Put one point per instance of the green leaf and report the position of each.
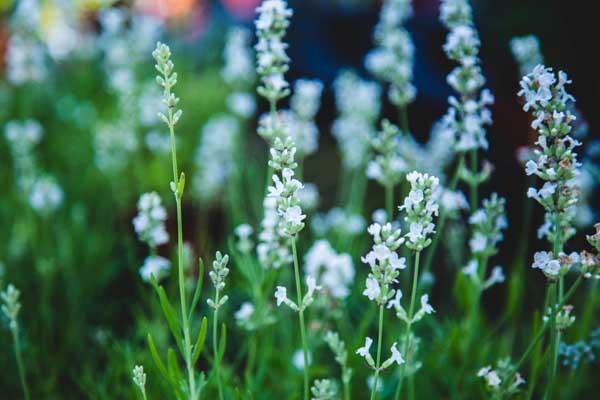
(157, 361)
(169, 313)
(174, 370)
(181, 184)
(222, 341)
(198, 290)
(199, 346)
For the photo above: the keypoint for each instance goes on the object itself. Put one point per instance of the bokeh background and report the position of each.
(86, 253)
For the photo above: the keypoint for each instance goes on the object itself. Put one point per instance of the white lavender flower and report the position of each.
(553, 267)
(149, 223)
(338, 220)
(324, 389)
(555, 159)
(113, 145)
(218, 276)
(494, 379)
(468, 116)
(420, 207)
(487, 224)
(333, 271)
(272, 60)
(244, 315)
(215, 157)
(22, 137)
(393, 58)
(527, 53)
(11, 305)
(299, 121)
(273, 249)
(46, 195)
(156, 266)
(238, 71)
(358, 105)
(139, 378)
(384, 262)
(243, 234)
(388, 166)
(285, 187)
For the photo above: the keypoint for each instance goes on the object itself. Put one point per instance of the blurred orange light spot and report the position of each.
(168, 8)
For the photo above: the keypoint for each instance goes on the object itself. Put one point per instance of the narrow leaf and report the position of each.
(200, 341)
(169, 313)
(159, 364)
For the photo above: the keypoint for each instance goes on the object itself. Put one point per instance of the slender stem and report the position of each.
(346, 385)
(389, 201)
(429, 255)
(216, 346)
(378, 360)
(20, 365)
(144, 397)
(182, 297)
(473, 185)
(407, 335)
(301, 318)
(558, 297)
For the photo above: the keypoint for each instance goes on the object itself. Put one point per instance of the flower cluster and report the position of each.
(285, 186)
(11, 305)
(238, 71)
(393, 58)
(333, 271)
(273, 249)
(494, 378)
(468, 115)
(39, 188)
(420, 206)
(553, 267)
(401, 313)
(338, 220)
(487, 225)
(338, 347)
(155, 267)
(555, 159)
(272, 60)
(384, 262)
(527, 53)
(167, 80)
(300, 120)
(307, 300)
(590, 263)
(149, 223)
(139, 378)
(388, 166)
(215, 157)
(358, 105)
(364, 352)
(324, 389)
(217, 276)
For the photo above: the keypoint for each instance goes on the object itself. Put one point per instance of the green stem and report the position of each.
(182, 297)
(442, 220)
(378, 361)
(20, 365)
(558, 298)
(473, 185)
(389, 202)
(301, 318)
(216, 346)
(407, 336)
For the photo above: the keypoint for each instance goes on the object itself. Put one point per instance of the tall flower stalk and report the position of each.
(420, 207)
(10, 308)
(385, 267)
(217, 276)
(468, 114)
(291, 221)
(190, 352)
(555, 163)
